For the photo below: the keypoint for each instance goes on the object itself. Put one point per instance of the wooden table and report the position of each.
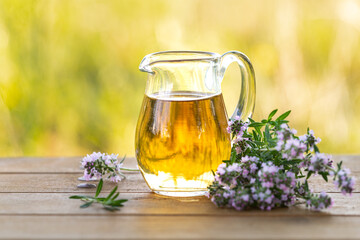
(35, 204)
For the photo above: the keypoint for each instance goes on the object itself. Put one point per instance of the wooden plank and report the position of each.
(152, 204)
(178, 227)
(40, 164)
(71, 164)
(13, 182)
(64, 183)
(48, 164)
(318, 184)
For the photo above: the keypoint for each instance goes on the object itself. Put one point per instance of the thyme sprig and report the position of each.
(110, 202)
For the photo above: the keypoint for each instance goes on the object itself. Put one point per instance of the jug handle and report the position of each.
(246, 103)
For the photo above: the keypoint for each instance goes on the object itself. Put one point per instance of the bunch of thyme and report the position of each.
(270, 166)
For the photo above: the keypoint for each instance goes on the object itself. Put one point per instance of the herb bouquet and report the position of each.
(270, 166)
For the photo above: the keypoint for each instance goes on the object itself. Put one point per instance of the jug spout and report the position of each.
(145, 64)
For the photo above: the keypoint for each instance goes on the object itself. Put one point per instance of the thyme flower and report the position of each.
(98, 165)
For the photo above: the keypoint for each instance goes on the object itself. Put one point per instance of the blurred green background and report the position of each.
(70, 85)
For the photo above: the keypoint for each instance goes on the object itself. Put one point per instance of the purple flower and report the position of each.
(228, 129)
(233, 167)
(100, 164)
(87, 176)
(115, 178)
(285, 132)
(318, 162)
(253, 168)
(221, 169)
(319, 202)
(344, 182)
(310, 139)
(237, 127)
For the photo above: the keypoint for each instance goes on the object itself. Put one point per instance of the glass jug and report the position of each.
(181, 134)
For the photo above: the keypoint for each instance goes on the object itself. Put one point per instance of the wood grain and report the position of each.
(30, 182)
(72, 164)
(13, 182)
(179, 227)
(47, 165)
(155, 205)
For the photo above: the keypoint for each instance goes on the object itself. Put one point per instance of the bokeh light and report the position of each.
(70, 84)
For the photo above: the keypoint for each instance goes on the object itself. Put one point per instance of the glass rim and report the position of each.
(165, 57)
(192, 56)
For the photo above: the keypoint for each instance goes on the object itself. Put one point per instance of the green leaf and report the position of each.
(267, 133)
(86, 204)
(316, 149)
(283, 121)
(257, 144)
(324, 175)
(339, 164)
(256, 124)
(98, 189)
(272, 114)
(111, 193)
(252, 144)
(111, 209)
(251, 120)
(122, 160)
(233, 155)
(256, 138)
(247, 135)
(118, 203)
(77, 197)
(283, 116)
(115, 196)
(113, 204)
(272, 142)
